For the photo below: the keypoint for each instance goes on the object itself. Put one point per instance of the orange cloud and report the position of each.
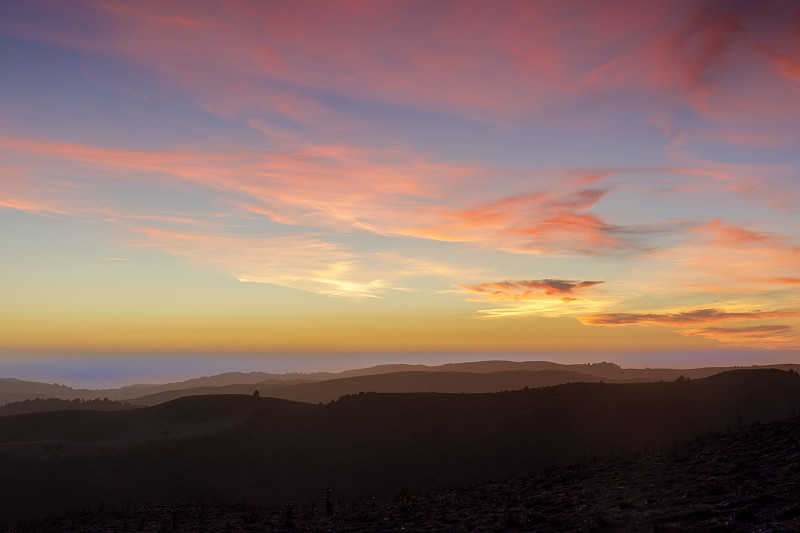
(781, 281)
(752, 331)
(775, 337)
(686, 318)
(541, 298)
(515, 291)
(765, 336)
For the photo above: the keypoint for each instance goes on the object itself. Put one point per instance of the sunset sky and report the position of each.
(188, 186)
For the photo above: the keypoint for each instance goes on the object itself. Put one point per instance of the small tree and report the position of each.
(256, 394)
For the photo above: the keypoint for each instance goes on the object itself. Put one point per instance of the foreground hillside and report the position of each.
(265, 451)
(734, 481)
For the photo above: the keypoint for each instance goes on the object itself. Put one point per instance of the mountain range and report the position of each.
(482, 376)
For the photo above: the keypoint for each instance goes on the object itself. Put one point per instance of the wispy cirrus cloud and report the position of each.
(399, 192)
(731, 236)
(308, 262)
(733, 257)
(379, 191)
(533, 223)
(302, 262)
(737, 261)
(495, 63)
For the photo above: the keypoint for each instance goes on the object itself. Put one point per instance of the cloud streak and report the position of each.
(515, 291)
(351, 188)
(774, 337)
(764, 336)
(684, 318)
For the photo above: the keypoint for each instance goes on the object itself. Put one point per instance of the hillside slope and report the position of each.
(245, 449)
(416, 381)
(735, 481)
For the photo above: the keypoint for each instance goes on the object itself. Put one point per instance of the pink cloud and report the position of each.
(770, 185)
(552, 222)
(22, 190)
(722, 56)
(717, 258)
(490, 62)
(731, 253)
(380, 191)
(387, 191)
(515, 291)
(732, 236)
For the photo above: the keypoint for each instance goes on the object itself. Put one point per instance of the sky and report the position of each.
(186, 185)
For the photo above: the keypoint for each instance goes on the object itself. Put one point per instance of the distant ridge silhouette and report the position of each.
(12, 390)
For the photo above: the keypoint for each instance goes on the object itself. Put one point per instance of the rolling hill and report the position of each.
(409, 381)
(261, 450)
(454, 377)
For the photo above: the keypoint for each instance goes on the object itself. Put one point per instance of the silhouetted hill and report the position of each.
(12, 390)
(607, 371)
(38, 405)
(417, 381)
(165, 396)
(219, 380)
(90, 429)
(206, 408)
(246, 449)
(16, 390)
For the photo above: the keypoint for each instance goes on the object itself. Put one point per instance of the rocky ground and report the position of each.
(746, 481)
